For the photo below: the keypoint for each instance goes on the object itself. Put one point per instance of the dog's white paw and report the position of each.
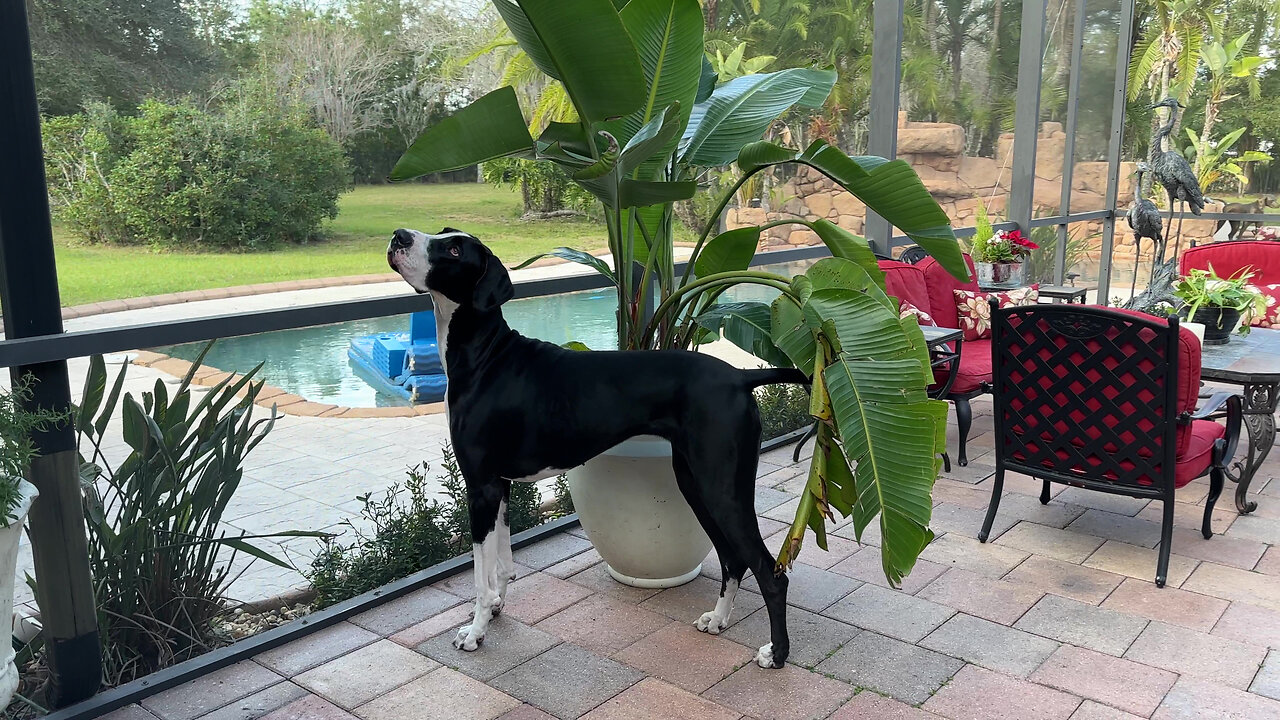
(464, 641)
(712, 623)
(497, 608)
(764, 656)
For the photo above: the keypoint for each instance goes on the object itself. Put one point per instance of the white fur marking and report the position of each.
(764, 656)
(540, 475)
(717, 620)
(444, 308)
(506, 565)
(486, 560)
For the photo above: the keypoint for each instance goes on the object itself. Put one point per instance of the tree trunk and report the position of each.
(711, 11)
(1066, 37)
(1210, 117)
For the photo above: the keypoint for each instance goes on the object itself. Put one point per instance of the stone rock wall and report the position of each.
(957, 182)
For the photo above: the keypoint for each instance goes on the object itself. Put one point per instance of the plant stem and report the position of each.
(715, 219)
(778, 282)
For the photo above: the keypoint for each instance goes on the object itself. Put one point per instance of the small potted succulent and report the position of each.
(999, 257)
(17, 422)
(1216, 302)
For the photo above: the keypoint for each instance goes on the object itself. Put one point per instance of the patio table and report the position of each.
(1252, 361)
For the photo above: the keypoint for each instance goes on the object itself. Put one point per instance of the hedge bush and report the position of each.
(177, 175)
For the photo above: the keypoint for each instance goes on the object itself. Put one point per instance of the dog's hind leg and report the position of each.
(732, 569)
(730, 489)
(486, 505)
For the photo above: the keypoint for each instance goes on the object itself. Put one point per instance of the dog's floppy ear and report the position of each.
(494, 286)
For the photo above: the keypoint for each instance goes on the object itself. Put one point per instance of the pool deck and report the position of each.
(1056, 619)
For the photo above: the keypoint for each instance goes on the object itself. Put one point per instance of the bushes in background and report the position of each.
(409, 531)
(783, 408)
(543, 187)
(176, 175)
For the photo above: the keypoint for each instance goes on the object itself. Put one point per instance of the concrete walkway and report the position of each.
(1056, 619)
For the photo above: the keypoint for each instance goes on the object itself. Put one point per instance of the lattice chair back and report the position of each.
(1088, 396)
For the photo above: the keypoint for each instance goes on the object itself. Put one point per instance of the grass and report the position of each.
(356, 244)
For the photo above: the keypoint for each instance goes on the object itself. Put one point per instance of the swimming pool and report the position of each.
(312, 362)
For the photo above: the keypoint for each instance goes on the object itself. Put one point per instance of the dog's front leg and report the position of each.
(506, 565)
(486, 556)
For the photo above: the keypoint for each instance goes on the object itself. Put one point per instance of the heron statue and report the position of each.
(1145, 221)
(1173, 171)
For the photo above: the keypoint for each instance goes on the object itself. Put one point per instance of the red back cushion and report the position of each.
(942, 286)
(1229, 258)
(906, 282)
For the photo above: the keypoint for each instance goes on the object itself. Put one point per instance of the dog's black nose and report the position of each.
(401, 239)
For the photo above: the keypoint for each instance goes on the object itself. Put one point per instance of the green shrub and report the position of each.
(17, 422)
(783, 408)
(409, 534)
(243, 176)
(158, 553)
(543, 187)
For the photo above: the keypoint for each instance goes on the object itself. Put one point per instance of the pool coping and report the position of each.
(273, 397)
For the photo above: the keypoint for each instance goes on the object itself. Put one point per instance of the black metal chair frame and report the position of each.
(1081, 323)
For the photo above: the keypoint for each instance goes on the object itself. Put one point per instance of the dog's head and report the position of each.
(452, 263)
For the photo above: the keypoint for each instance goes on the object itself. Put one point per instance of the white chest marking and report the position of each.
(444, 309)
(540, 475)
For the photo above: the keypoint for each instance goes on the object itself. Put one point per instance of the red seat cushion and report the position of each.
(1229, 258)
(1199, 453)
(974, 368)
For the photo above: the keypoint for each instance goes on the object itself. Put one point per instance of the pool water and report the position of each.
(312, 362)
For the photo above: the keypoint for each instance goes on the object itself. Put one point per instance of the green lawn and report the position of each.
(356, 244)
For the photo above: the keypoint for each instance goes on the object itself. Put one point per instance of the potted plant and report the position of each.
(1217, 303)
(650, 123)
(17, 422)
(999, 256)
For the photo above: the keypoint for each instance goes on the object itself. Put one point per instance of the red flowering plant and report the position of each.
(1008, 246)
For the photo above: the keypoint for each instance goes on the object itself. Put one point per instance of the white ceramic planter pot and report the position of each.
(9, 537)
(632, 510)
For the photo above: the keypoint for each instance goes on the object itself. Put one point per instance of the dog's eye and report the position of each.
(454, 251)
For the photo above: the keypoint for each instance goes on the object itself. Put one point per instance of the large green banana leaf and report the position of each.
(583, 44)
(889, 187)
(739, 111)
(488, 128)
(891, 433)
(668, 38)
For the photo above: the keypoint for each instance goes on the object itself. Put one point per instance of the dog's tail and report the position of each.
(773, 376)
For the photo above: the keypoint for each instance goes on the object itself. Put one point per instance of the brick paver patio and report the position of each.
(1056, 619)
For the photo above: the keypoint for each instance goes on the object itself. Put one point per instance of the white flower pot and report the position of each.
(9, 537)
(632, 511)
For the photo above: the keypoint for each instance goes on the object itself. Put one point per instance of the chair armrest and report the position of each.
(1212, 405)
(1225, 448)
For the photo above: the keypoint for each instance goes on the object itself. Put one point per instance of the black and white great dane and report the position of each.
(523, 410)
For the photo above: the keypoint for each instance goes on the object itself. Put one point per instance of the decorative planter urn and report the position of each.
(634, 514)
(1004, 274)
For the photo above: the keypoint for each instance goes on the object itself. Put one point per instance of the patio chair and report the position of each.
(1105, 400)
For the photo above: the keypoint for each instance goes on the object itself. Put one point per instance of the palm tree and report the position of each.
(1165, 59)
(1227, 65)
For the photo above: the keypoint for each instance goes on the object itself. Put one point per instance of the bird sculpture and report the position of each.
(1173, 171)
(1145, 222)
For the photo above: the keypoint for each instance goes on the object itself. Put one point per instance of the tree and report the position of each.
(335, 73)
(116, 52)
